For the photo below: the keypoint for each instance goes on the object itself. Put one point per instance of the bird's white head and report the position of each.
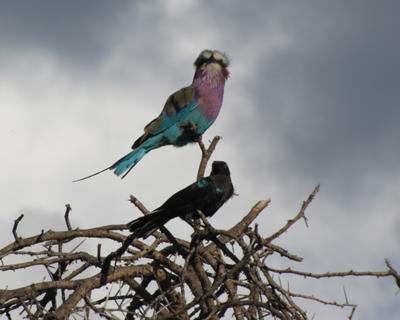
(213, 61)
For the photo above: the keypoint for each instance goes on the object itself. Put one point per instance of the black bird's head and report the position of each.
(214, 61)
(220, 167)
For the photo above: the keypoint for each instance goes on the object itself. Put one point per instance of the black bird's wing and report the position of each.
(147, 224)
(201, 195)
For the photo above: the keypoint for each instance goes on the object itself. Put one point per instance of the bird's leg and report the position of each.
(191, 130)
(194, 223)
(113, 255)
(211, 234)
(200, 230)
(190, 126)
(188, 133)
(197, 223)
(197, 234)
(182, 251)
(199, 140)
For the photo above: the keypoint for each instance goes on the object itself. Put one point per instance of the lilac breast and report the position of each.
(210, 94)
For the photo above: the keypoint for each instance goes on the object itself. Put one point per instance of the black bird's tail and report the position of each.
(144, 226)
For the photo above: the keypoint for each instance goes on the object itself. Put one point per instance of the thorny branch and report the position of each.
(219, 273)
(66, 216)
(14, 229)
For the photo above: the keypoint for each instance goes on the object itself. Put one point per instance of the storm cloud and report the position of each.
(313, 98)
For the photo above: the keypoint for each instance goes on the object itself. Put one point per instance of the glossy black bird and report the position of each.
(207, 194)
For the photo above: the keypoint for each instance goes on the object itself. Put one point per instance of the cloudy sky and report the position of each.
(313, 98)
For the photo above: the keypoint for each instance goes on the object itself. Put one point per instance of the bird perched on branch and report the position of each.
(207, 195)
(186, 115)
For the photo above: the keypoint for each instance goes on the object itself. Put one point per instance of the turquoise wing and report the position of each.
(176, 108)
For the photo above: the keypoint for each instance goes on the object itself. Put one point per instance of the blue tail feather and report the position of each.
(123, 165)
(126, 163)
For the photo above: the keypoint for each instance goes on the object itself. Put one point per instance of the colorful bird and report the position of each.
(207, 195)
(186, 115)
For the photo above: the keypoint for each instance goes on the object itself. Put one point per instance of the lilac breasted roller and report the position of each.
(186, 115)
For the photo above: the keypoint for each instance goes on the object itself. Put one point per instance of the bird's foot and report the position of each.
(190, 126)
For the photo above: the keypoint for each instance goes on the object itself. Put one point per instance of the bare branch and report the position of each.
(135, 201)
(163, 277)
(14, 230)
(352, 273)
(206, 154)
(393, 272)
(300, 215)
(66, 216)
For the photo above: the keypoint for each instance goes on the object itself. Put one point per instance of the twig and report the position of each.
(352, 273)
(322, 301)
(393, 272)
(300, 215)
(241, 226)
(84, 286)
(135, 201)
(14, 229)
(66, 216)
(98, 232)
(206, 154)
(350, 317)
(100, 311)
(99, 253)
(345, 295)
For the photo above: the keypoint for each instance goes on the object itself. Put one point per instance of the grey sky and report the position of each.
(313, 98)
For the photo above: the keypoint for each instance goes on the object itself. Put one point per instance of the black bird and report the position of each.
(207, 195)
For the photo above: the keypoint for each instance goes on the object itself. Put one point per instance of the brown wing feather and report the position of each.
(175, 102)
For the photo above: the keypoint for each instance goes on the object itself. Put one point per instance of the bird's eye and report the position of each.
(221, 57)
(218, 56)
(206, 54)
